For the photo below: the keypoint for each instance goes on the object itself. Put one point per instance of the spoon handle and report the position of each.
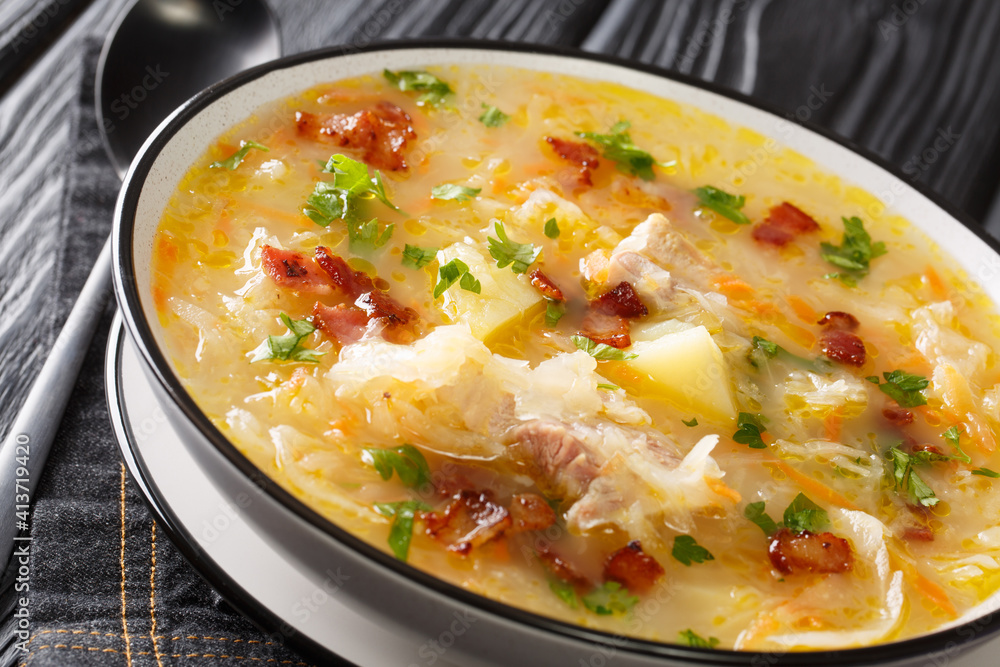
(27, 445)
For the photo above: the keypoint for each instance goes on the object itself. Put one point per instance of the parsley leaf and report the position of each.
(552, 228)
(554, 311)
(452, 191)
(618, 147)
(432, 90)
(756, 513)
(326, 204)
(952, 435)
(986, 472)
(601, 351)
(694, 640)
(803, 514)
(608, 387)
(236, 158)
(854, 254)
(563, 590)
(688, 551)
(903, 387)
(906, 479)
(519, 255)
(416, 257)
(693, 422)
(609, 598)
(493, 117)
(749, 430)
(723, 203)
(365, 236)
(406, 460)
(454, 271)
(352, 176)
(401, 530)
(762, 349)
(287, 347)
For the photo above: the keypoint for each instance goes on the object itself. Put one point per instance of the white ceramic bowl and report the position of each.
(394, 594)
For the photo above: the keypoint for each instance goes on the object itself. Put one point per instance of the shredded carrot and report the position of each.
(160, 299)
(501, 550)
(802, 309)
(737, 289)
(832, 423)
(937, 285)
(721, 488)
(816, 489)
(959, 406)
(922, 584)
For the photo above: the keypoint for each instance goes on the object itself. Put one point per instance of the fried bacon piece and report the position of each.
(563, 569)
(529, 511)
(342, 323)
(470, 520)
(845, 347)
(577, 152)
(610, 330)
(918, 529)
(783, 224)
(622, 301)
(806, 552)
(896, 415)
(544, 284)
(633, 568)
(837, 320)
(352, 283)
(293, 270)
(380, 133)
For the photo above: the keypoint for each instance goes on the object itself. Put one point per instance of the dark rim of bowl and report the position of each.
(950, 640)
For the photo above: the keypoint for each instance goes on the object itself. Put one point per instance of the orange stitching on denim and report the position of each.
(128, 644)
(152, 596)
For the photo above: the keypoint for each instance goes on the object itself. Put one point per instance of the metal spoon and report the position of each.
(160, 53)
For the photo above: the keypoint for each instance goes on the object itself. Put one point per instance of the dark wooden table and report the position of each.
(915, 81)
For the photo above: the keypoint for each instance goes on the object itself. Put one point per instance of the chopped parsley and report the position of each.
(608, 387)
(601, 351)
(854, 254)
(756, 513)
(750, 428)
(762, 349)
(416, 257)
(986, 472)
(694, 640)
(367, 236)
(456, 271)
(952, 435)
(506, 252)
(618, 147)
(687, 551)
(552, 228)
(554, 311)
(904, 388)
(288, 347)
(609, 598)
(455, 192)
(693, 422)
(723, 203)
(406, 460)
(493, 117)
(564, 591)
(401, 530)
(433, 91)
(803, 514)
(236, 158)
(907, 480)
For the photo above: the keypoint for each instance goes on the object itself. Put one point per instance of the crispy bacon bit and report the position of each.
(918, 528)
(380, 133)
(896, 415)
(529, 511)
(784, 222)
(545, 285)
(837, 320)
(918, 534)
(379, 305)
(806, 552)
(581, 154)
(563, 569)
(845, 347)
(342, 323)
(293, 270)
(352, 283)
(621, 301)
(632, 568)
(611, 330)
(470, 520)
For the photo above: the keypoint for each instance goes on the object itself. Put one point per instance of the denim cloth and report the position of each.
(105, 585)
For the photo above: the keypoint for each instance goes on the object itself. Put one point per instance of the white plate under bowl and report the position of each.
(410, 606)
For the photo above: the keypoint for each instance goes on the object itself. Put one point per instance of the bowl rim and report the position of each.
(127, 294)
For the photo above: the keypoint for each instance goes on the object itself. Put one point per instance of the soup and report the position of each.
(593, 354)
